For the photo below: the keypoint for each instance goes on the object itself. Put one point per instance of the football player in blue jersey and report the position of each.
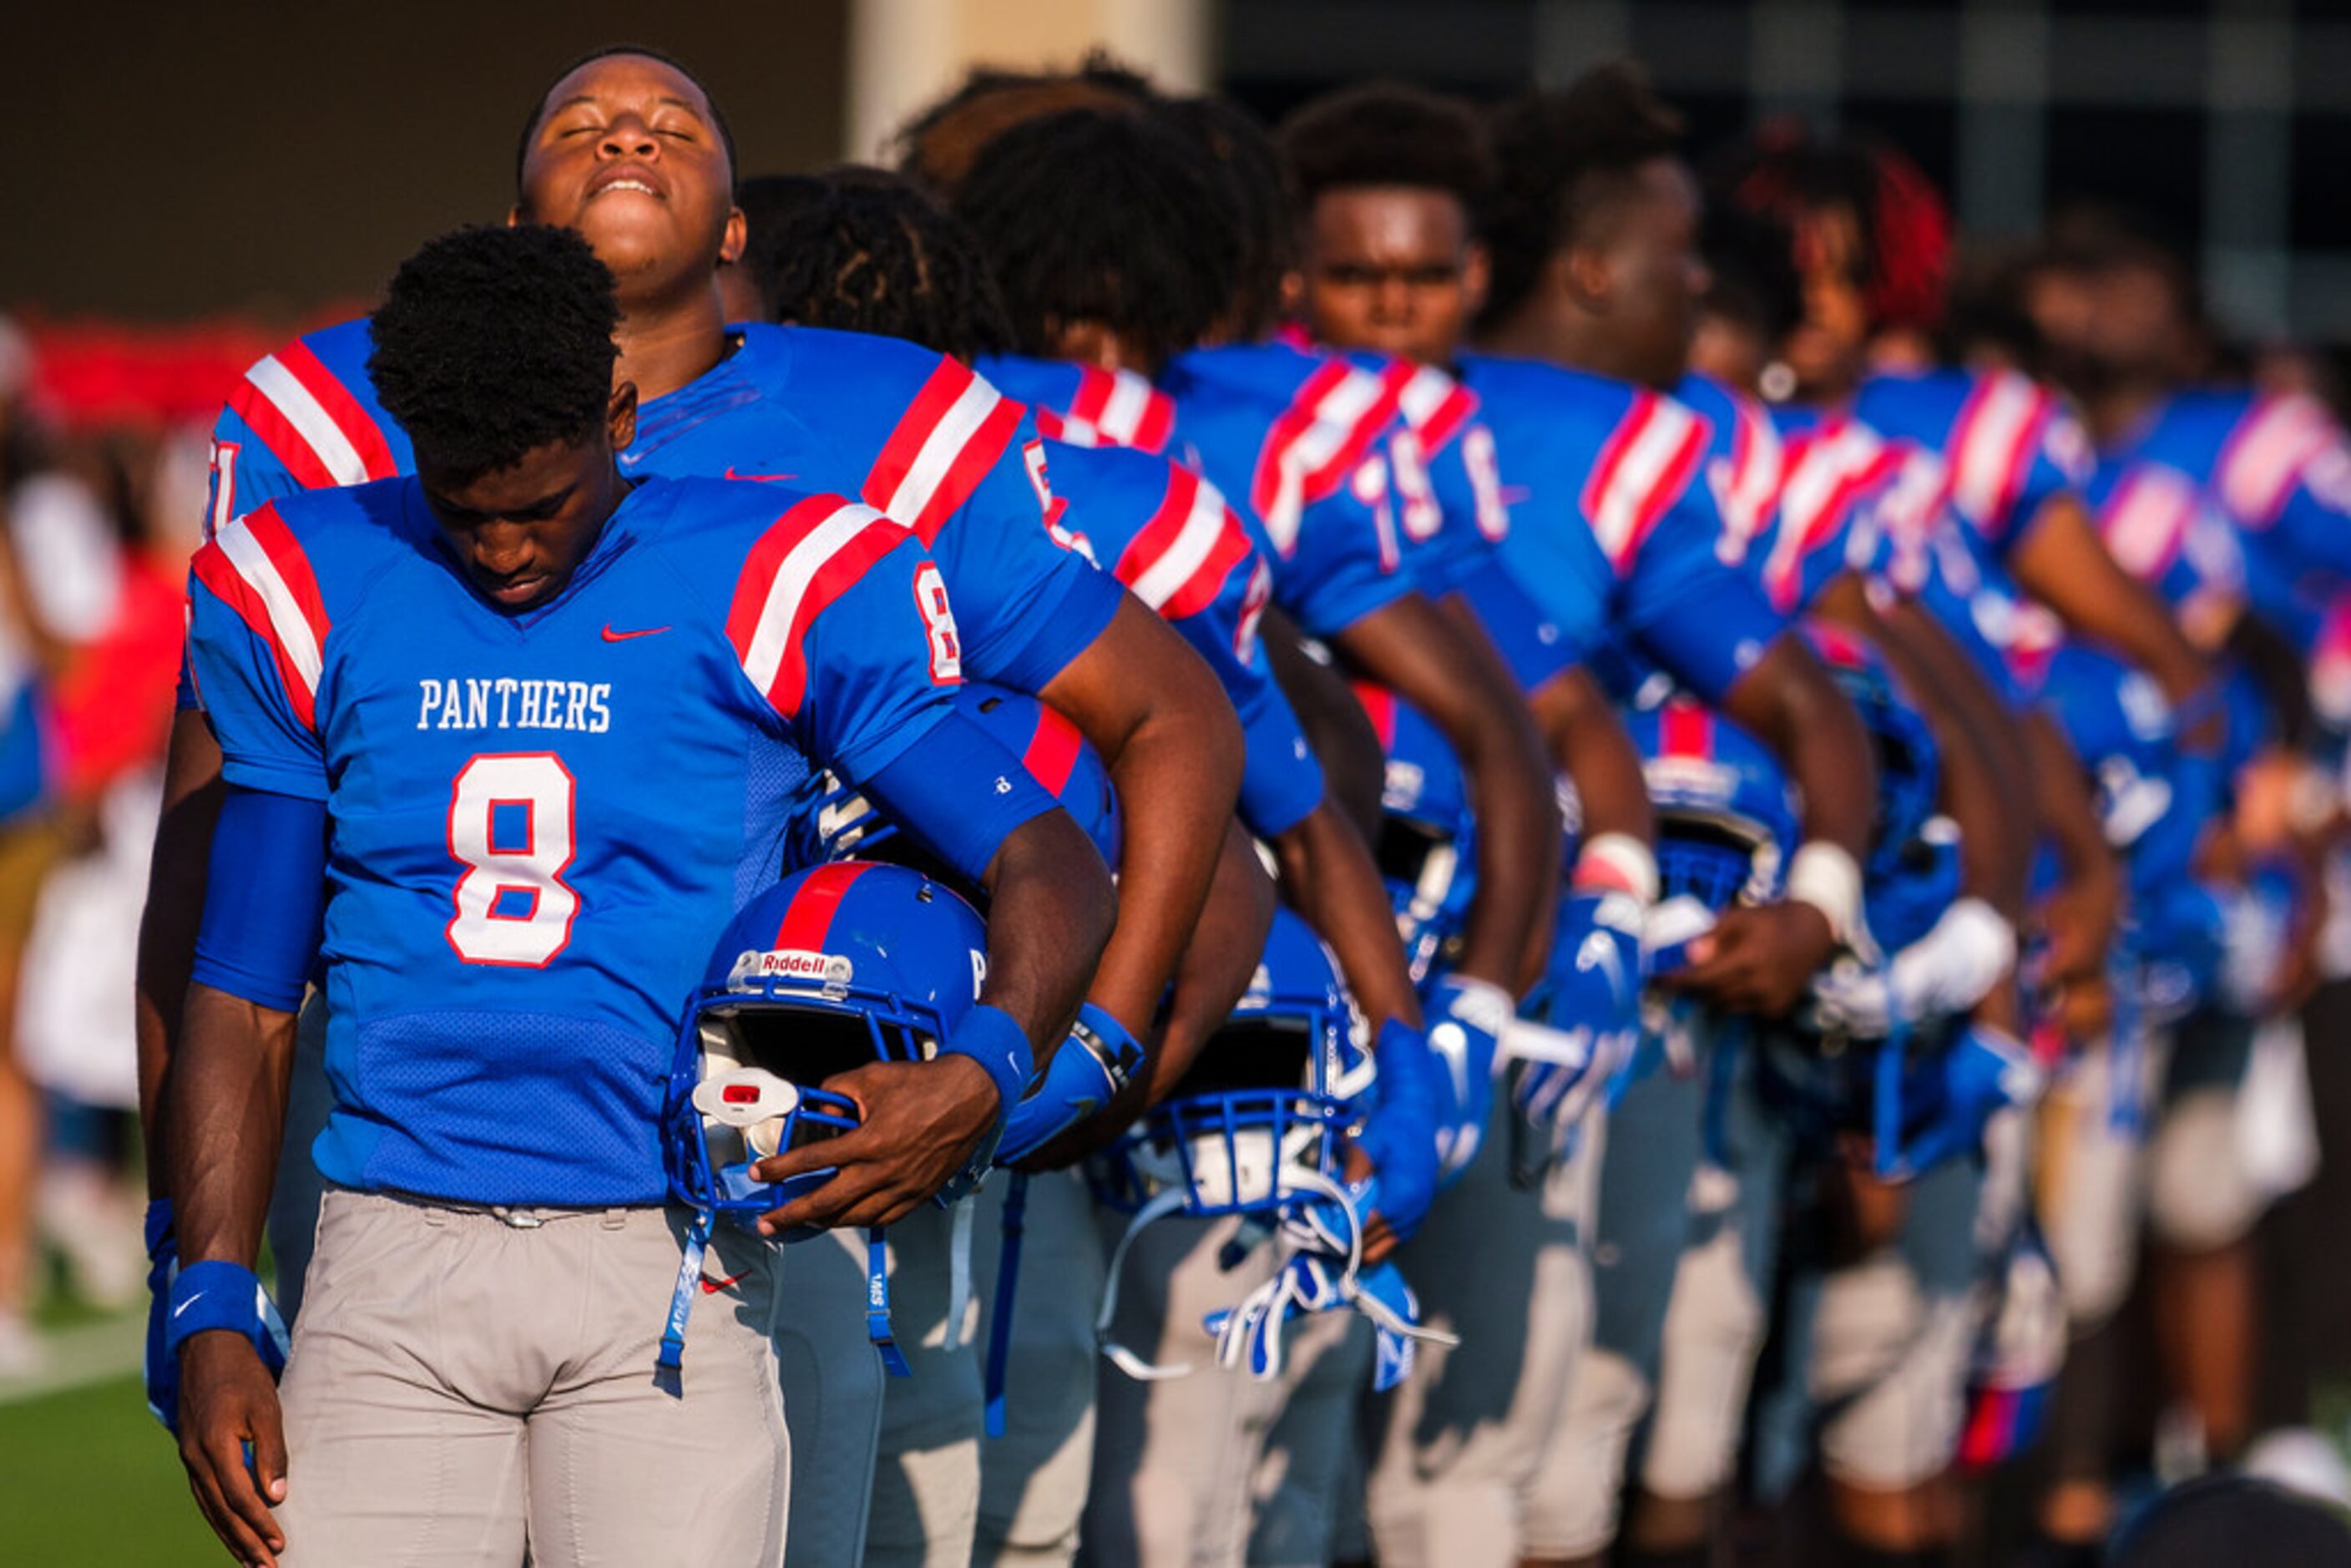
(624, 149)
(1596, 267)
(1038, 191)
(508, 969)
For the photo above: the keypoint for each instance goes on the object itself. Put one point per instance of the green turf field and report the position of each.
(88, 1478)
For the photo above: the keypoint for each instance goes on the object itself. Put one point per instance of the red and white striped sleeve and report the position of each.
(310, 421)
(1179, 561)
(258, 568)
(2272, 453)
(950, 436)
(1645, 465)
(803, 562)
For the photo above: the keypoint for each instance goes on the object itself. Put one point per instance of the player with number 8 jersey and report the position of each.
(494, 809)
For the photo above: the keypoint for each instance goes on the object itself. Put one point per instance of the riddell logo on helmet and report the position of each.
(833, 969)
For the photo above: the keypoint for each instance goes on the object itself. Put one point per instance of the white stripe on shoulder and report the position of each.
(1333, 418)
(309, 419)
(1987, 445)
(286, 617)
(1639, 471)
(1123, 411)
(771, 640)
(1166, 577)
(941, 449)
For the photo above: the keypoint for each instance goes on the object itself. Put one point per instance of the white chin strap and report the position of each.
(1292, 1182)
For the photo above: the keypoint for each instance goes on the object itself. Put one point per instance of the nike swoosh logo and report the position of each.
(1599, 953)
(191, 1301)
(759, 477)
(1452, 1045)
(613, 636)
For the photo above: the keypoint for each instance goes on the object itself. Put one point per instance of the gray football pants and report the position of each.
(467, 1389)
(1453, 1478)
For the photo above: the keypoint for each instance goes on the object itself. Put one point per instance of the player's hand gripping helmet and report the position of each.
(1426, 852)
(832, 820)
(832, 967)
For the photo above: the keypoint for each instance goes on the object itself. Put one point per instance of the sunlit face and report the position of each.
(1645, 241)
(1392, 267)
(519, 533)
(627, 151)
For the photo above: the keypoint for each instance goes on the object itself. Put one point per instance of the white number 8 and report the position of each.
(938, 620)
(540, 791)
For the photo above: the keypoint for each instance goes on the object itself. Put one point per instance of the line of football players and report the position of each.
(1769, 839)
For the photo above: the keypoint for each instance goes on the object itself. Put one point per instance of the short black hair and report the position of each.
(1388, 133)
(1246, 169)
(769, 202)
(492, 342)
(938, 145)
(873, 254)
(539, 105)
(1561, 158)
(1090, 216)
(1753, 270)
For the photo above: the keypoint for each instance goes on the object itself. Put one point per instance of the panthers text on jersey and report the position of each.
(539, 822)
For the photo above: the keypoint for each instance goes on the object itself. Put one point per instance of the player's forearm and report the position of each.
(1051, 909)
(167, 926)
(1790, 704)
(1217, 965)
(2064, 807)
(1154, 710)
(224, 1113)
(2065, 565)
(1588, 742)
(1410, 646)
(1335, 724)
(1995, 845)
(1333, 879)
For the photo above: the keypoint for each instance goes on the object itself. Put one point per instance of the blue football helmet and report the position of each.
(1255, 1127)
(830, 821)
(1273, 1093)
(1428, 847)
(1726, 820)
(832, 967)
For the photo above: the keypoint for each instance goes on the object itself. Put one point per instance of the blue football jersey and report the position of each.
(923, 439)
(539, 823)
(1168, 536)
(2279, 470)
(304, 418)
(1610, 526)
(2166, 529)
(1290, 437)
(1086, 405)
(2007, 444)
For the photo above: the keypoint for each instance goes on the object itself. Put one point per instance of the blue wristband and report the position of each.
(214, 1295)
(159, 1225)
(991, 1036)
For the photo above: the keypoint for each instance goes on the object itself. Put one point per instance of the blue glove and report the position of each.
(1093, 1064)
(1596, 1009)
(1984, 1072)
(1400, 1133)
(162, 1366)
(1467, 1019)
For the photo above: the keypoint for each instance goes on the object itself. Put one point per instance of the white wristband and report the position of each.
(1957, 963)
(1616, 862)
(1824, 876)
